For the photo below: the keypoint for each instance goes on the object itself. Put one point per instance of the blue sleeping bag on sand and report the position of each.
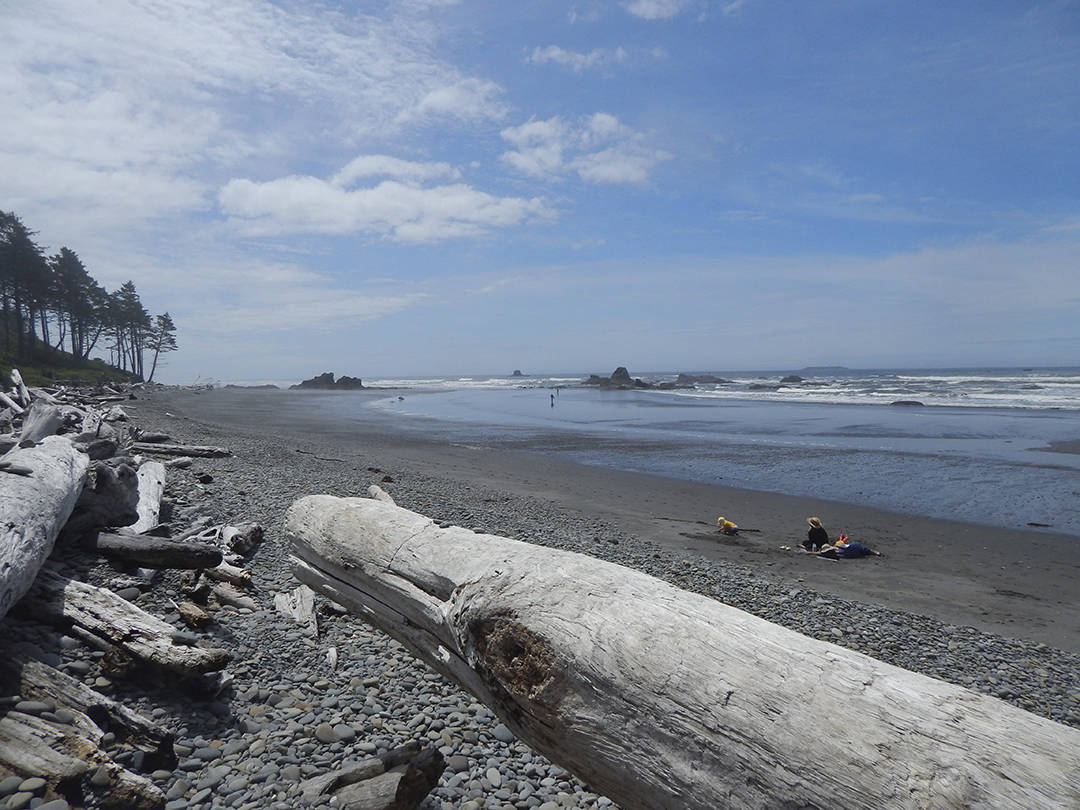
(853, 549)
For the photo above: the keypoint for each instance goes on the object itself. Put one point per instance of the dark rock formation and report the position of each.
(620, 379)
(694, 379)
(517, 373)
(326, 382)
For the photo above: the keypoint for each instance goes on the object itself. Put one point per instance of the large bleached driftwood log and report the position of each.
(662, 698)
(33, 509)
(140, 635)
(151, 485)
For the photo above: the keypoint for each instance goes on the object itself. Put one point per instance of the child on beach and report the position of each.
(727, 526)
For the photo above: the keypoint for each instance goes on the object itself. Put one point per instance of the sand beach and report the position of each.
(1013, 582)
(992, 610)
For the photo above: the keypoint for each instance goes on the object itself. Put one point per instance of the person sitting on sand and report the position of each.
(845, 551)
(726, 526)
(816, 538)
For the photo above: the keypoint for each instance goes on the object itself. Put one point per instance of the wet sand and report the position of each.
(1016, 583)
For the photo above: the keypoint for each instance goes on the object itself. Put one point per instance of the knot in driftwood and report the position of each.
(517, 659)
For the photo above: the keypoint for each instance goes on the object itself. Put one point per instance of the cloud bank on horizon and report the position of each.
(416, 187)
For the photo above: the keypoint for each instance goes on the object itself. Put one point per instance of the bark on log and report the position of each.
(193, 615)
(144, 637)
(181, 450)
(33, 509)
(151, 485)
(153, 552)
(661, 698)
(40, 421)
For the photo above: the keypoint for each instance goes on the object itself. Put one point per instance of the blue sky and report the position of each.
(439, 187)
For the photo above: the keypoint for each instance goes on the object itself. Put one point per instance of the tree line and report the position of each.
(55, 300)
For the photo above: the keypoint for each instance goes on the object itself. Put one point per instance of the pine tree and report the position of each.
(162, 339)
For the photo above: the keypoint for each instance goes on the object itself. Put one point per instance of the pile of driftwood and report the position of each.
(77, 473)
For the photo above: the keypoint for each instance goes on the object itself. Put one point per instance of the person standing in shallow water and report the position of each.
(816, 537)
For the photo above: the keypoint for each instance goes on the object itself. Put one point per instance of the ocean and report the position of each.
(985, 446)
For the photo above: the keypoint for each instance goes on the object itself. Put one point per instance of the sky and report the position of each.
(434, 187)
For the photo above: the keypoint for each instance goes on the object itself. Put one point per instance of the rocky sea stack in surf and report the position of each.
(325, 382)
(620, 378)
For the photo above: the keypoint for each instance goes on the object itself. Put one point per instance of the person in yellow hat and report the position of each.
(816, 537)
(727, 526)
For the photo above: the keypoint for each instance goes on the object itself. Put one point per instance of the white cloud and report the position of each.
(577, 62)
(599, 148)
(466, 100)
(540, 146)
(654, 9)
(401, 211)
(625, 163)
(386, 166)
(133, 109)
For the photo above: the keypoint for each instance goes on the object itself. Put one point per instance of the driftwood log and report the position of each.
(67, 752)
(661, 698)
(40, 421)
(232, 574)
(109, 499)
(151, 486)
(141, 636)
(180, 450)
(20, 387)
(152, 552)
(33, 509)
(33, 680)
(396, 780)
(16, 408)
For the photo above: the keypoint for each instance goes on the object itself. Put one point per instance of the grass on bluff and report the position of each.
(45, 366)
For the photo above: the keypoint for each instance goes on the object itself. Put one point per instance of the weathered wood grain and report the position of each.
(661, 698)
(33, 509)
(140, 635)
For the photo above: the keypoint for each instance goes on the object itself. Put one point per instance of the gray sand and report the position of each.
(1016, 583)
(289, 715)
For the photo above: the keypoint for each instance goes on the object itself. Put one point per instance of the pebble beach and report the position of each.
(292, 711)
